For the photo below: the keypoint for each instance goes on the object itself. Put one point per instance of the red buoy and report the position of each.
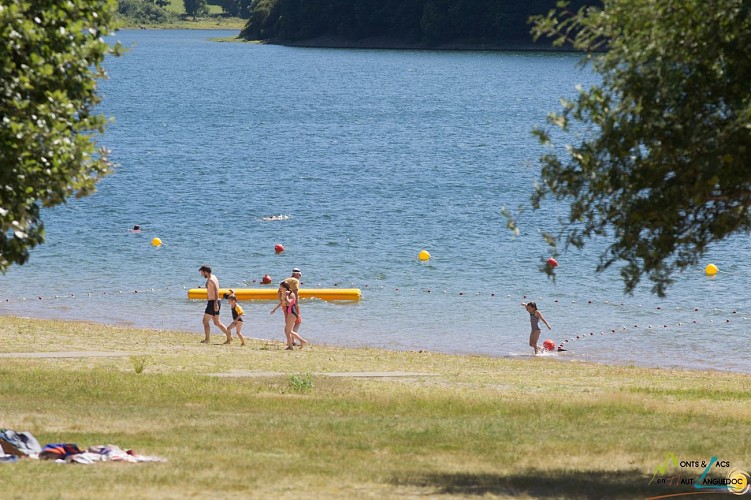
(552, 262)
(266, 280)
(278, 248)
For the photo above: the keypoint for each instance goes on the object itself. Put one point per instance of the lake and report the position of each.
(369, 157)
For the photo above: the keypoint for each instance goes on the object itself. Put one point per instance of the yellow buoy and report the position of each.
(156, 242)
(423, 255)
(711, 270)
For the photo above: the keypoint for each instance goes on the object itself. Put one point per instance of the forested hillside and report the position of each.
(431, 22)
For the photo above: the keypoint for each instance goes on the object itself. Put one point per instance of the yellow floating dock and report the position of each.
(271, 293)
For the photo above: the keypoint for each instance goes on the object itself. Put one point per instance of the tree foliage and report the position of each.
(50, 61)
(143, 11)
(429, 21)
(660, 160)
(196, 8)
(234, 8)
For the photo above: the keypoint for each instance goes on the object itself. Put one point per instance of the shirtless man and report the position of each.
(213, 305)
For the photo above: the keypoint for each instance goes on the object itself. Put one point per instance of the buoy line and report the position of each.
(656, 328)
(546, 302)
(37, 297)
(724, 317)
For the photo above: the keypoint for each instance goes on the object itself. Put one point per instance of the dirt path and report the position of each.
(71, 354)
(395, 374)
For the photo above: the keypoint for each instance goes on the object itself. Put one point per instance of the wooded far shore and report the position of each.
(409, 24)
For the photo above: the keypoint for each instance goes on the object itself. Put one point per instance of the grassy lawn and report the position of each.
(258, 421)
(177, 7)
(202, 23)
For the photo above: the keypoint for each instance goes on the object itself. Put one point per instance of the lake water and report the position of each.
(371, 156)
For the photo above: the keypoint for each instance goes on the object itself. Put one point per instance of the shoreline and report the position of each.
(371, 43)
(556, 357)
(391, 43)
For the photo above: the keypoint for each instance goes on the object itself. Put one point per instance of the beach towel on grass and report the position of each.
(110, 453)
(59, 451)
(19, 443)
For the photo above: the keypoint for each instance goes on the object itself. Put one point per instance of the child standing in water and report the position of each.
(534, 318)
(237, 316)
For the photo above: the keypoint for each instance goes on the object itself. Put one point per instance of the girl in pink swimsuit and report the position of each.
(291, 315)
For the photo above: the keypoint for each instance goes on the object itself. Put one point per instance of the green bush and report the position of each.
(301, 383)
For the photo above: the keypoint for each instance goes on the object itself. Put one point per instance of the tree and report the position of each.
(143, 11)
(196, 8)
(234, 8)
(410, 21)
(661, 156)
(50, 61)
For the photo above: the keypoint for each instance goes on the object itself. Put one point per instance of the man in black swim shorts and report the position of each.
(213, 306)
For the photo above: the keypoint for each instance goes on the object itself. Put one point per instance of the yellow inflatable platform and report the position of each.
(271, 293)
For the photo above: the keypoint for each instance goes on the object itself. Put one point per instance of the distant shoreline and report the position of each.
(372, 43)
(391, 43)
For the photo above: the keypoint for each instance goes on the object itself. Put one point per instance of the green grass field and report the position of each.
(202, 23)
(178, 7)
(180, 21)
(258, 421)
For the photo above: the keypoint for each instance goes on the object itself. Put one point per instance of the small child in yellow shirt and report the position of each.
(237, 316)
